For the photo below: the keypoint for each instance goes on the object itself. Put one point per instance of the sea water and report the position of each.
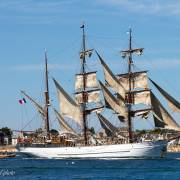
(26, 168)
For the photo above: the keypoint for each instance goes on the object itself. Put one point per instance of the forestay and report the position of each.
(40, 109)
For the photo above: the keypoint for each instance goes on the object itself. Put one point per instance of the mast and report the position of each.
(130, 88)
(46, 94)
(83, 71)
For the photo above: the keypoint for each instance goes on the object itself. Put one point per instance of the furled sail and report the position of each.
(142, 112)
(173, 103)
(63, 124)
(86, 53)
(114, 103)
(162, 114)
(126, 53)
(90, 96)
(142, 96)
(138, 80)
(110, 129)
(40, 109)
(68, 106)
(98, 109)
(111, 79)
(89, 79)
(158, 122)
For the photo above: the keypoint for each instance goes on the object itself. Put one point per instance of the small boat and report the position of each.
(7, 155)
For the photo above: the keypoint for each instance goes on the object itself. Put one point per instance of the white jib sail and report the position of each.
(111, 79)
(172, 102)
(68, 106)
(162, 113)
(119, 108)
(63, 124)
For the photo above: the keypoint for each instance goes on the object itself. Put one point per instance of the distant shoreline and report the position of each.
(174, 148)
(8, 148)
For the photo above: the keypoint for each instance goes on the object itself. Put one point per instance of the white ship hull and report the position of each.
(134, 150)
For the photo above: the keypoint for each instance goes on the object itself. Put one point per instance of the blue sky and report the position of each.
(27, 27)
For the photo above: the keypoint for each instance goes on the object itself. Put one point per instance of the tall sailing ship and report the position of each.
(126, 95)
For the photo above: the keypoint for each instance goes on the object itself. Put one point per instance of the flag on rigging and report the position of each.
(22, 101)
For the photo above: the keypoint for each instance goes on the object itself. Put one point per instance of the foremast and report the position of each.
(83, 71)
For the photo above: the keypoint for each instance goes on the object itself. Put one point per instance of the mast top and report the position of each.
(130, 38)
(130, 51)
(82, 26)
(84, 40)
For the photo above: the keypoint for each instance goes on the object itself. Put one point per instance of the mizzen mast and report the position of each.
(46, 94)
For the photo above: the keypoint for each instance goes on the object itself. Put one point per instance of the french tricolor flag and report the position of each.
(22, 101)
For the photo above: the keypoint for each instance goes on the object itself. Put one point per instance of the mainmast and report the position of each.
(130, 93)
(46, 94)
(130, 88)
(87, 93)
(83, 71)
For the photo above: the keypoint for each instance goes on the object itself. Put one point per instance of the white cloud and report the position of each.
(36, 67)
(30, 6)
(46, 12)
(35, 12)
(155, 64)
(148, 7)
(159, 63)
